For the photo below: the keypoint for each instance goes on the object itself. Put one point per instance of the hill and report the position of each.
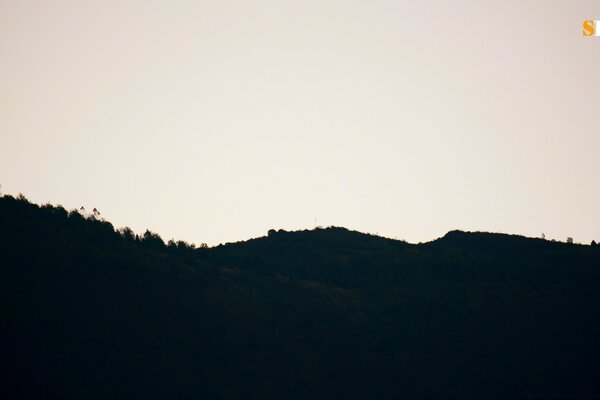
(90, 312)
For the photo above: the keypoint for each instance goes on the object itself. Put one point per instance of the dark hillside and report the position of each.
(88, 312)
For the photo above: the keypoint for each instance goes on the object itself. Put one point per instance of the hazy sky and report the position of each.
(213, 121)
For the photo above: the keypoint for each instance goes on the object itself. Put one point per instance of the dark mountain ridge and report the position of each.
(90, 312)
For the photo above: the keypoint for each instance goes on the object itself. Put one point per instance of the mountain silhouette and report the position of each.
(93, 312)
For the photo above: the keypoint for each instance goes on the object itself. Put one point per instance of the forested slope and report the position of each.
(90, 312)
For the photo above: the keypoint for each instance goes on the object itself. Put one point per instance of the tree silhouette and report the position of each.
(152, 240)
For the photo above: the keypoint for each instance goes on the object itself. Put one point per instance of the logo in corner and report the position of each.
(591, 28)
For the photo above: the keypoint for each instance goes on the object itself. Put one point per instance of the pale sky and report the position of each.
(214, 121)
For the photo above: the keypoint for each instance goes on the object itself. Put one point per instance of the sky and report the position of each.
(214, 121)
